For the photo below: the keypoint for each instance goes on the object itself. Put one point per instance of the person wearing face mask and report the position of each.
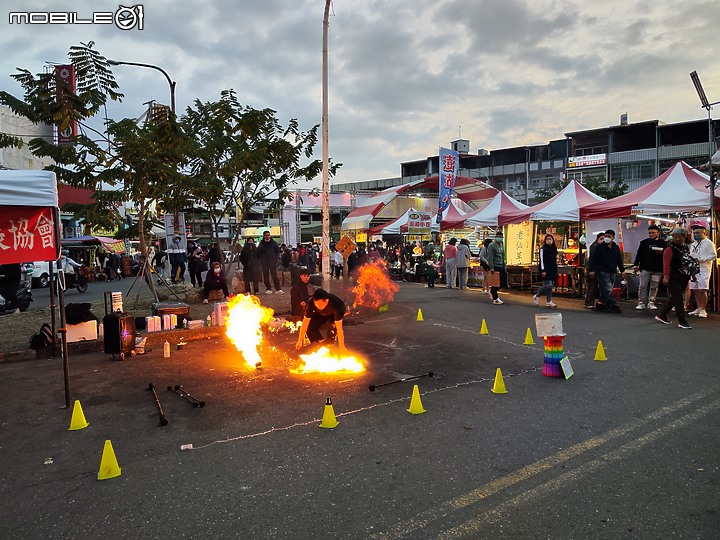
(250, 266)
(703, 250)
(215, 280)
(674, 279)
(548, 270)
(649, 263)
(496, 262)
(606, 260)
(591, 284)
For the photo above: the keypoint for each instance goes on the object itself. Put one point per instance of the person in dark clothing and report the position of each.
(195, 260)
(605, 261)
(10, 278)
(215, 280)
(323, 308)
(548, 270)
(300, 294)
(215, 254)
(649, 263)
(675, 280)
(268, 253)
(591, 292)
(251, 267)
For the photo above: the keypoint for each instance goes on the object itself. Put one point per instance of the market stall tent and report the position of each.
(564, 206)
(488, 215)
(679, 189)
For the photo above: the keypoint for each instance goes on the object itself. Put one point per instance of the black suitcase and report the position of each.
(119, 334)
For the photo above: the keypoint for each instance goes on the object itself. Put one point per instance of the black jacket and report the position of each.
(548, 262)
(650, 259)
(268, 252)
(607, 259)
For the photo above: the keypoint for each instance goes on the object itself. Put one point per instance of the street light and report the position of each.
(151, 66)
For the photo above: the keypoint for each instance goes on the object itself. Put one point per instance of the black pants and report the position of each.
(503, 282)
(316, 322)
(195, 273)
(675, 287)
(270, 270)
(250, 278)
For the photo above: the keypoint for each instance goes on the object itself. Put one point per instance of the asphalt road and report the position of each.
(626, 448)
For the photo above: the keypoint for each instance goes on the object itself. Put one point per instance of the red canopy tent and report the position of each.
(489, 214)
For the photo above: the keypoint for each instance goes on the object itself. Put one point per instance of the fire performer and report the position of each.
(300, 294)
(323, 308)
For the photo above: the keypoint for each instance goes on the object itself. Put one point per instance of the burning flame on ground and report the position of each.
(374, 287)
(323, 361)
(243, 325)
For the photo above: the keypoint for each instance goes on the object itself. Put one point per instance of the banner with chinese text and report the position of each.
(27, 234)
(449, 164)
(519, 244)
(419, 222)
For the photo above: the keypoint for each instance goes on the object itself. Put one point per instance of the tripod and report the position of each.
(145, 275)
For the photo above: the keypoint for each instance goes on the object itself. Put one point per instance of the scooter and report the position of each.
(23, 299)
(77, 280)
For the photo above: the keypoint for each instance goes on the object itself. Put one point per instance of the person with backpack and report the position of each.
(605, 261)
(677, 272)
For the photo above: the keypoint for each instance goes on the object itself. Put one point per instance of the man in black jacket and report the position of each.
(605, 261)
(268, 253)
(649, 263)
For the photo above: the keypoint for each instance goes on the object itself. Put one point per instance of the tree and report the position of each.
(598, 185)
(543, 194)
(242, 156)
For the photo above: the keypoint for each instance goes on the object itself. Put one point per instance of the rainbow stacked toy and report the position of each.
(553, 354)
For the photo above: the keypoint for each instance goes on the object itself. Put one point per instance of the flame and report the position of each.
(374, 287)
(243, 325)
(323, 361)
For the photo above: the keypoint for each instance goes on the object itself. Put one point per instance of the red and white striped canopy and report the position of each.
(564, 206)
(488, 215)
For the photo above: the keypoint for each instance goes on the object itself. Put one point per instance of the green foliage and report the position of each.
(598, 185)
(542, 195)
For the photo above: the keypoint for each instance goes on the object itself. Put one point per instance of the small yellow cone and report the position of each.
(109, 467)
(483, 328)
(78, 418)
(420, 317)
(328, 420)
(528, 338)
(415, 403)
(600, 352)
(499, 385)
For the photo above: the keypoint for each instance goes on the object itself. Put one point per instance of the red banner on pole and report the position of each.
(65, 83)
(27, 234)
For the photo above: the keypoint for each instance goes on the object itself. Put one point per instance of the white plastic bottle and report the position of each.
(166, 349)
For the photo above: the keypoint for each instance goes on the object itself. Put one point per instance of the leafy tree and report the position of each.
(543, 194)
(242, 156)
(598, 185)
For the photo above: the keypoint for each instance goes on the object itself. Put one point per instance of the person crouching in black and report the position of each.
(215, 280)
(323, 308)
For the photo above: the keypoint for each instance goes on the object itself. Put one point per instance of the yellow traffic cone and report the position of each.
(600, 352)
(528, 338)
(420, 317)
(328, 420)
(483, 328)
(499, 385)
(415, 403)
(109, 467)
(78, 418)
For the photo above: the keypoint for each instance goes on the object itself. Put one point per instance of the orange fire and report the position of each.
(243, 325)
(323, 361)
(374, 287)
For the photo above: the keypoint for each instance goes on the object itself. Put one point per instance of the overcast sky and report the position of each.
(406, 76)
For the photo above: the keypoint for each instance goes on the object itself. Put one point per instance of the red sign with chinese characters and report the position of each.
(27, 234)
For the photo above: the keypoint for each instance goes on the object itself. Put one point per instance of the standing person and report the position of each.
(215, 280)
(496, 261)
(178, 257)
(462, 263)
(195, 259)
(158, 262)
(548, 270)
(251, 267)
(591, 284)
(702, 250)
(323, 308)
(674, 279)
(300, 294)
(605, 261)
(215, 254)
(649, 262)
(337, 262)
(450, 259)
(482, 256)
(268, 253)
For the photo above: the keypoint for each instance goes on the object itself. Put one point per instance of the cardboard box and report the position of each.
(86, 331)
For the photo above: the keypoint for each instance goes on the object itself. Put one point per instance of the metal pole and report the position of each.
(325, 167)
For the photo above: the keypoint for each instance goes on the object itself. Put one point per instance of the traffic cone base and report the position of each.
(328, 420)
(419, 315)
(499, 384)
(600, 352)
(415, 403)
(77, 421)
(109, 467)
(484, 328)
(529, 338)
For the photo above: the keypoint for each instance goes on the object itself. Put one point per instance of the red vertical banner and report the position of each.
(64, 85)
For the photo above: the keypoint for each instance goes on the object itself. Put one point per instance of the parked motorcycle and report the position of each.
(23, 299)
